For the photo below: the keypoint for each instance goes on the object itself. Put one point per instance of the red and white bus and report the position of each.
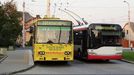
(98, 41)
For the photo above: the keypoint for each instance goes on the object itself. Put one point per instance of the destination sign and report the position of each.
(105, 28)
(57, 22)
(46, 28)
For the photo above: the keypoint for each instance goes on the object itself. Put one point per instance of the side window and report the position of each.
(91, 26)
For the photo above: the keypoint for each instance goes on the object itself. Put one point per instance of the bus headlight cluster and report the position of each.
(67, 52)
(41, 53)
(91, 53)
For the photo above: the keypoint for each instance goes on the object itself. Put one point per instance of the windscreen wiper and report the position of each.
(59, 35)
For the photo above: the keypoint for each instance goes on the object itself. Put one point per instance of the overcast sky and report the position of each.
(108, 11)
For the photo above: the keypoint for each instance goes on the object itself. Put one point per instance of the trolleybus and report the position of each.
(98, 41)
(53, 40)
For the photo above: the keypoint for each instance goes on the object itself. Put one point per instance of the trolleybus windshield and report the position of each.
(104, 35)
(53, 34)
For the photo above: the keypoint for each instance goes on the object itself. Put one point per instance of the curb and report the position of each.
(23, 70)
(127, 61)
(3, 58)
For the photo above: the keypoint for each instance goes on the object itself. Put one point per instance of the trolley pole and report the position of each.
(23, 30)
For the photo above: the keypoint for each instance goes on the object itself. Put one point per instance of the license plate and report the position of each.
(54, 58)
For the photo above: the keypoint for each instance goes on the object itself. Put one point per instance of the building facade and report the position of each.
(128, 40)
(29, 20)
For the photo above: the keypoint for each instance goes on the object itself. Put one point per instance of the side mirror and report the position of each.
(31, 29)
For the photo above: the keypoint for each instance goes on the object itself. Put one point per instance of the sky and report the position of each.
(101, 11)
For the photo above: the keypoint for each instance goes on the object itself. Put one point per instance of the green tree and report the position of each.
(10, 26)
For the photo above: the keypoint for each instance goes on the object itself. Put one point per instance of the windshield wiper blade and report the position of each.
(59, 35)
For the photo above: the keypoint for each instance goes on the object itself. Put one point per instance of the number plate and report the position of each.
(54, 58)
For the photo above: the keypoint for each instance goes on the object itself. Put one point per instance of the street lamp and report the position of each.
(23, 30)
(0, 3)
(128, 19)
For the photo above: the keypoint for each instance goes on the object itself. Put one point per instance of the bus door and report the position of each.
(84, 42)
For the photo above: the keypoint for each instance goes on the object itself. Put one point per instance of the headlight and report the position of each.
(41, 53)
(67, 53)
(91, 53)
(119, 53)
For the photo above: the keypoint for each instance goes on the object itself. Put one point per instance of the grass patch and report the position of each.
(128, 56)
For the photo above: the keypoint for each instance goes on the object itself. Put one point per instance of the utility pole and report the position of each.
(23, 30)
(129, 33)
(54, 10)
(48, 8)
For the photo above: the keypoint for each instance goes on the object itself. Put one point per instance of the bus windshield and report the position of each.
(105, 35)
(53, 34)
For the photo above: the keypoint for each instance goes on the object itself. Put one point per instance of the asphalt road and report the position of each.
(83, 67)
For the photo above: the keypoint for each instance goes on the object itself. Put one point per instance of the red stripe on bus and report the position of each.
(97, 57)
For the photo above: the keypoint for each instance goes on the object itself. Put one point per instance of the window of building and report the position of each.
(127, 31)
